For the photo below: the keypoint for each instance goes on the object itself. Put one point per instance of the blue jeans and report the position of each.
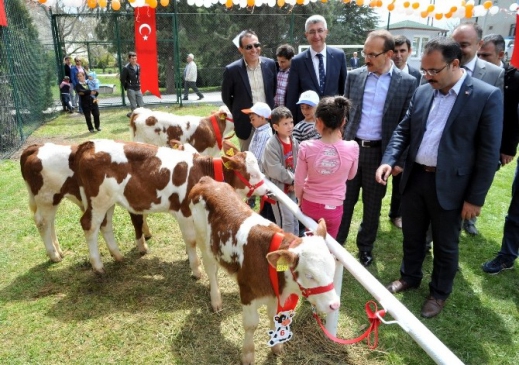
(510, 243)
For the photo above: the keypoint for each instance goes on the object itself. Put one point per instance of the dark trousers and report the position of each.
(394, 207)
(192, 85)
(90, 109)
(65, 101)
(420, 207)
(372, 195)
(510, 242)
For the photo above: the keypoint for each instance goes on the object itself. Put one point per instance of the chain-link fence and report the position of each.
(26, 76)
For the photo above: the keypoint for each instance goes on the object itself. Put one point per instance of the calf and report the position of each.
(204, 134)
(48, 172)
(145, 178)
(229, 233)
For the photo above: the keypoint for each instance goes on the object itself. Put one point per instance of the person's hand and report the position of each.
(383, 173)
(470, 211)
(396, 170)
(506, 159)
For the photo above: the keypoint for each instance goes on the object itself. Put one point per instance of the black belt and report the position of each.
(366, 143)
(426, 168)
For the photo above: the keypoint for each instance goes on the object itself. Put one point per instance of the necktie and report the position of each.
(322, 75)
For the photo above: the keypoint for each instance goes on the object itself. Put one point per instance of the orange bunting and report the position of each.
(487, 4)
(281, 3)
(406, 4)
(360, 2)
(116, 5)
(164, 2)
(438, 16)
(424, 14)
(430, 8)
(250, 3)
(228, 3)
(415, 5)
(102, 3)
(391, 7)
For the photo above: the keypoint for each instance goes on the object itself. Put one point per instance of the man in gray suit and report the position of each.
(469, 36)
(452, 133)
(381, 94)
(400, 55)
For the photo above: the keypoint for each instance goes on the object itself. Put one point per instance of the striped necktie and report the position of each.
(322, 75)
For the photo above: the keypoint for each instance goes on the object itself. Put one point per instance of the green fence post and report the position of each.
(57, 47)
(176, 54)
(119, 60)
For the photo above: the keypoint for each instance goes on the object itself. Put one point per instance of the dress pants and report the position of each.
(394, 207)
(135, 97)
(89, 107)
(420, 207)
(192, 85)
(372, 195)
(510, 242)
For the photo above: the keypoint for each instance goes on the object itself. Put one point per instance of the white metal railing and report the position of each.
(440, 353)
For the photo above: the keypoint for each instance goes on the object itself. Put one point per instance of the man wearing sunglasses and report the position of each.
(381, 94)
(452, 132)
(320, 68)
(247, 81)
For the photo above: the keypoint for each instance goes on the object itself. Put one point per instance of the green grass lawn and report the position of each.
(148, 310)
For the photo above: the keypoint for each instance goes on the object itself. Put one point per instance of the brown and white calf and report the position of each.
(231, 235)
(204, 134)
(49, 175)
(144, 178)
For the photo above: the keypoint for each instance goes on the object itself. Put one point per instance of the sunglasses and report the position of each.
(248, 47)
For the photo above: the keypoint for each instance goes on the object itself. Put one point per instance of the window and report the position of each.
(418, 45)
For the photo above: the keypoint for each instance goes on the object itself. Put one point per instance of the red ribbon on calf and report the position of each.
(291, 302)
(218, 169)
(217, 134)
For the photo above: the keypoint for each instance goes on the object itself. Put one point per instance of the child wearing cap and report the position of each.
(305, 129)
(324, 165)
(93, 85)
(259, 115)
(64, 88)
(279, 163)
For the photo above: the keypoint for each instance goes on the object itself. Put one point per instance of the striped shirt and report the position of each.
(303, 131)
(281, 90)
(259, 140)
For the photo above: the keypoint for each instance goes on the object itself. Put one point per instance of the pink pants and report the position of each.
(332, 215)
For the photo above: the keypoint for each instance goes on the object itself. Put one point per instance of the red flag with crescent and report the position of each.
(515, 55)
(146, 48)
(3, 15)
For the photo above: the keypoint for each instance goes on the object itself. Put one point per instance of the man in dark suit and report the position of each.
(320, 68)
(354, 61)
(381, 94)
(452, 132)
(247, 81)
(400, 55)
(493, 50)
(469, 36)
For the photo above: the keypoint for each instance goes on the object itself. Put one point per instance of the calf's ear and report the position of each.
(282, 258)
(321, 228)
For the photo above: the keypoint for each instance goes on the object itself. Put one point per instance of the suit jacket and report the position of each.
(489, 73)
(352, 63)
(510, 137)
(416, 73)
(237, 93)
(469, 146)
(302, 77)
(401, 89)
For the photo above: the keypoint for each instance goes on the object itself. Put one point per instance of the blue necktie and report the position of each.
(322, 75)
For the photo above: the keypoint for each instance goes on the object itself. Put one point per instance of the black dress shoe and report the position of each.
(185, 99)
(365, 258)
(399, 286)
(200, 97)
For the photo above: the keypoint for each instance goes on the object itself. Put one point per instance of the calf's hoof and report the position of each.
(217, 307)
(56, 258)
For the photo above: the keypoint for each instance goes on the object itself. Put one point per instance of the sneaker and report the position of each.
(200, 97)
(497, 265)
(98, 129)
(91, 131)
(129, 114)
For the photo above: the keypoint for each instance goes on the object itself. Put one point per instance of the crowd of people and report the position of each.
(335, 135)
(327, 136)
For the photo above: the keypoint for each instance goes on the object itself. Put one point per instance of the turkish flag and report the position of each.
(3, 15)
(146, 48)
(515, 56)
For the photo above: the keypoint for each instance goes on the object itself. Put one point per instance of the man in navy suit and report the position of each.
(469, 36)
(305, 69)
(354, 61)
(247, 81)
(452, 131)
(400, 55)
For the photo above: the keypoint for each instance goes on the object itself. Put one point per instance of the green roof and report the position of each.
(408, 24)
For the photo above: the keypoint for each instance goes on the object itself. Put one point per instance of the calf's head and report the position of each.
(313, 268)
(247, 178)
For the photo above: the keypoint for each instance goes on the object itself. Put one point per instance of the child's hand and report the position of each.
(290, 188)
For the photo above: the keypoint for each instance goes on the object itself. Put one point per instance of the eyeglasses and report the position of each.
(432, 72)
(314, 32)
(248, 47)
(371, 55)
